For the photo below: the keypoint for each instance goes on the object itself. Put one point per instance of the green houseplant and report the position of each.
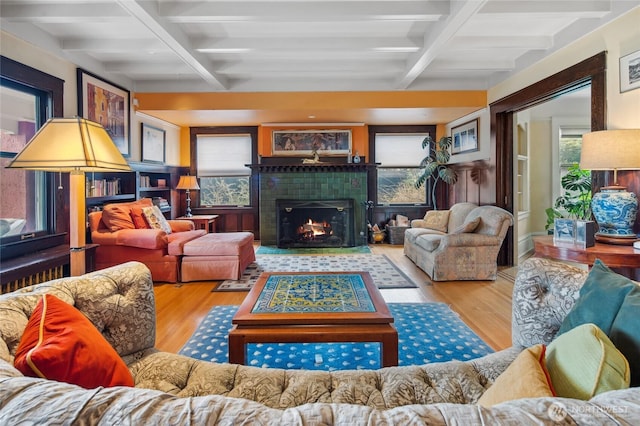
(436, 164)
(575, 201)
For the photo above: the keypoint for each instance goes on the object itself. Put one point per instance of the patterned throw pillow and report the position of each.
(156, 219)
(467, 227)
(437, 220)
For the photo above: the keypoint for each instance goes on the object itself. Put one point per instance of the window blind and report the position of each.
(402, 150)
(223, 155)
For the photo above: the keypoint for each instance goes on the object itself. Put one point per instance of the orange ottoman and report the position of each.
(221, 256)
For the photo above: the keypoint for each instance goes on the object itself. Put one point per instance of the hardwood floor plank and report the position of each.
(485, 306)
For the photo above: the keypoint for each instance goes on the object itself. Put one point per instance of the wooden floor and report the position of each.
(485, 306)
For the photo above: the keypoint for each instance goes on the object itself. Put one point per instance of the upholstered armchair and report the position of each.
(137, 231)
(458, 244)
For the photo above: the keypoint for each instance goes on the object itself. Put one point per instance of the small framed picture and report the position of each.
(564, 230)
(464, 138)
(585, 233)
(153, 144)
(630, 71)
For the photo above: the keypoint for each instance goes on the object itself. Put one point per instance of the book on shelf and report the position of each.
(102, 187)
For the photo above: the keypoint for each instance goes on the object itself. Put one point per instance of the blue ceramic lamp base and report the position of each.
(615, 211)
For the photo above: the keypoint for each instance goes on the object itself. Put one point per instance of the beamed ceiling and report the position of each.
(305, 45)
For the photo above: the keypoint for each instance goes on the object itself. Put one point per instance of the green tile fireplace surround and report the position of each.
(311, 183)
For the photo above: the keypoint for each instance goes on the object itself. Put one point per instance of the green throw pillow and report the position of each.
(583, 363)
(600, 299)
(625, 332)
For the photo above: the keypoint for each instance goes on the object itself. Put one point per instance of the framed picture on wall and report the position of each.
(305, 142)
(630, 71)
(106, 104)
(464, 138)
(153, 142)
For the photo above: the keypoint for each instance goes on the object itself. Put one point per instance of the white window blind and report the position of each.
(402, 150)
(223, 155)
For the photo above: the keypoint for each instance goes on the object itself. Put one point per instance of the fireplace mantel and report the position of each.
(306, 168)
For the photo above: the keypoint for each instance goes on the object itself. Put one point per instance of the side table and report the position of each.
(623, 259)
(203, 221)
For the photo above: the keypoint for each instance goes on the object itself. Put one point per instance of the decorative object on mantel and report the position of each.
(435, 164)
(614, 208)
(188, 183)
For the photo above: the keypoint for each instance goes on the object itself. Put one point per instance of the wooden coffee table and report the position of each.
(303, 307)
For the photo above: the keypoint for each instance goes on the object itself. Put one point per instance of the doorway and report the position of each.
(592, 72)
(548, 140)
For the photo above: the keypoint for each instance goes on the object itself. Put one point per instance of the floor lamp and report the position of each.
(73, 145)
(188, 183)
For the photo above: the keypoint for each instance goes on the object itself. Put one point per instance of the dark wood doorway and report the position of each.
(591, 71)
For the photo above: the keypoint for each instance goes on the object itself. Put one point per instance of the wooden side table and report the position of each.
(203, 221)
(623, 259)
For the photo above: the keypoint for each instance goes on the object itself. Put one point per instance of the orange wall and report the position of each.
(359, 139)
(313, 100)
(302, 101)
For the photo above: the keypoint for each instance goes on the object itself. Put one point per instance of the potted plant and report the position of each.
(436, 165)
(575, 201)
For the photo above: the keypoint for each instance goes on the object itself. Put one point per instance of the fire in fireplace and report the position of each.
(315, 223)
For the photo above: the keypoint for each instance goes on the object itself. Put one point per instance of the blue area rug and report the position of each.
(313, 250)
(427, 332)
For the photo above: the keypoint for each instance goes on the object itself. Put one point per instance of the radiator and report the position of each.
(40, 277)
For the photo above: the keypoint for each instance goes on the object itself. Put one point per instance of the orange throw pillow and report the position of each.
(60, 343)
(138, 218)
(117, 216)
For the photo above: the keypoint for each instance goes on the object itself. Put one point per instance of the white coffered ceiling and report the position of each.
(305, 45)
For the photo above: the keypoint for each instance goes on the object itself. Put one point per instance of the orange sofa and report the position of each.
(123, 235)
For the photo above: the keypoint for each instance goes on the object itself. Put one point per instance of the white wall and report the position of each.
(618, 38)
(30, 55)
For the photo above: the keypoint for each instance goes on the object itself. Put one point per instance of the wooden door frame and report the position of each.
(590, 71)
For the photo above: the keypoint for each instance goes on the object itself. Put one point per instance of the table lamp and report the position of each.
(188, 183)
(73, 145)
(614, 208)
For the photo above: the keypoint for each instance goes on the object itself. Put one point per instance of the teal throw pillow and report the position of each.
(625, 332)
(600, 299)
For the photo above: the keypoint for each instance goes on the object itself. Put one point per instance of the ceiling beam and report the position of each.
(435, 41)
(309, 11)
(174, 39)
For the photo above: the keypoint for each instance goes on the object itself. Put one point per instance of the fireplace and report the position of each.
(315, 223)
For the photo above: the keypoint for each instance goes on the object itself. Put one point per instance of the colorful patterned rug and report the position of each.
(314, 250)
(384, 273)
(427, 332)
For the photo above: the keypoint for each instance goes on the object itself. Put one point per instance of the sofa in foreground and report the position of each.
(461, 243)
(177, 390)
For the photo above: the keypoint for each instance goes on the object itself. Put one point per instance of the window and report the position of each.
(398, 154)
(28, 210)
(221, 165)
(566, 147)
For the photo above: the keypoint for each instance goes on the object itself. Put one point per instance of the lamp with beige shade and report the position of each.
(614, 208)
(73, 145)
